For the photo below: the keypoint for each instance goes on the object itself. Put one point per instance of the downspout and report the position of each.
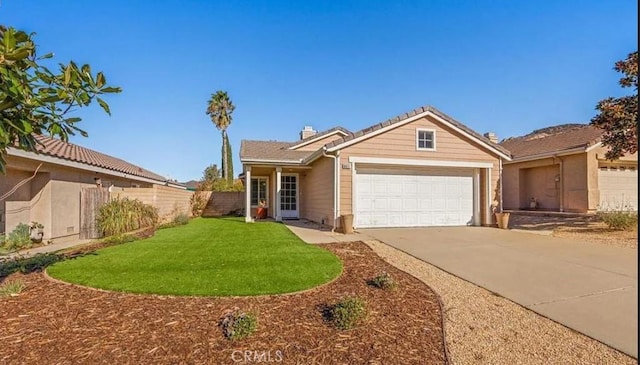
(336, 181)
(500, 186)
(561, 184)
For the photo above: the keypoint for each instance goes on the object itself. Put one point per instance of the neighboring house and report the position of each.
(49, 184)
(563, 168)
(422, 168)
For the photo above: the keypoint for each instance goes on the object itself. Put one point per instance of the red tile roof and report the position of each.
(552, 139)
(68, 151)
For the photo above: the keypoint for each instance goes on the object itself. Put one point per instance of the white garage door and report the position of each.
(618, 188)
(414, 198)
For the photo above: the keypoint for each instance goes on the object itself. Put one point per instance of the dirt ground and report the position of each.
(584, 229)
(58, 323)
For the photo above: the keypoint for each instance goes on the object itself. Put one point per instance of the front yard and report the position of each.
(53, 322)
(210, 257)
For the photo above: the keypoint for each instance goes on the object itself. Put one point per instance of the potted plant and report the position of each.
(261, 212)
(36, 232)
(502, 218)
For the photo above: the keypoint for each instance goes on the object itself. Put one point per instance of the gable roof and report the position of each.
(554, 139)
(284, 152)
(65, 151)
(407, 117)
(271, 151)
(321, 135)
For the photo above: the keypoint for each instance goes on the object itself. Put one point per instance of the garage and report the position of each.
(618, 187)
(413, 196)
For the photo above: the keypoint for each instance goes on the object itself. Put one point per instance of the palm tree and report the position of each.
(219, 110)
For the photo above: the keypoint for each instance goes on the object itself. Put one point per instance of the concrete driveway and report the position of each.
(590, 288)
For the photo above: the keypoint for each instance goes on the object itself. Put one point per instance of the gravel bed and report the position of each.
(482, 328)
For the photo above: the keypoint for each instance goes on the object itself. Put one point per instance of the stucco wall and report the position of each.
(400, 143)
(52, 198)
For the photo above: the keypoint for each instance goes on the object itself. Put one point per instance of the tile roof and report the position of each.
(271, 150)
(552, 139)
(68, 151)
(413, 113)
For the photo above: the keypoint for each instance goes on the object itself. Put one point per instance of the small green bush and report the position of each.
(237, 325)
(181, 219)
(13, 287)
(383, 281)
(119, 239)
(619, 220)
(348, 313)
(28, 264)
(120, 216)
(19, 238)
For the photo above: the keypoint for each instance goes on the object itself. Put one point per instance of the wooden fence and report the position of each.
(91, 199)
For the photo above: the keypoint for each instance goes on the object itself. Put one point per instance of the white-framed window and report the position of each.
(425, 139)
(259, 191)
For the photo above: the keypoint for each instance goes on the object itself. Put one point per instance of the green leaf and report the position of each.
(100, 80)
(111, 90)
(9, 40)
(48, 55)
(104, 106)
(86, 69)
(67, 75)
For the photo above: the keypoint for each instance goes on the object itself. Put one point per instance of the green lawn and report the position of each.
(213, 257)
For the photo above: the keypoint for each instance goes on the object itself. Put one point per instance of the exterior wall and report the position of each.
(579, 181)
(401, 143)
(316, 198)
(169, 201)
(16, 208)
(540, 184)
(52, 197)
(319, 143)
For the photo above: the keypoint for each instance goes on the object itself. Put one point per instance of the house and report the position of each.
(563, 168)
(422, 168)
(45, 187)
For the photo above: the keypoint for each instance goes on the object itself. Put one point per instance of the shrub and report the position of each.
(383, 281)
(238, 325)
(348, 313)
(13, 287)
(18, 238)
(28, 264)
(181, 219)
(619, 220)
(197, 202)
(119, 239)
(120, 216)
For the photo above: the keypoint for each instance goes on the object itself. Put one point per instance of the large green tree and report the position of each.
(36, 100)
(619, 116)
(219, 110)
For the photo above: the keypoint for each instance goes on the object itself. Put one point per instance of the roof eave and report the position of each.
(538, 156)
(79, 165)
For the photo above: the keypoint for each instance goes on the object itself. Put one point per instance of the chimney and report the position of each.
(307, 131)
(491, 137)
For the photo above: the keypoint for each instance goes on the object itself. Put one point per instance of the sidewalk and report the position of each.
(312, 232)
(45, 249)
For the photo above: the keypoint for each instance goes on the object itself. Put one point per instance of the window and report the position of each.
(425, 139)
(259, 188)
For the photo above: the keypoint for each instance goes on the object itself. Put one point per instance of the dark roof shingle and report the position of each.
(270, 150)
(552, 139)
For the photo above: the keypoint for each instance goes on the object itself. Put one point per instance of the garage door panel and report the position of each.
(618, 189)
(396, 198)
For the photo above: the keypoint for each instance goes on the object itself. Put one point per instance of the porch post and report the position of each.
(278, 188)
(247, 189)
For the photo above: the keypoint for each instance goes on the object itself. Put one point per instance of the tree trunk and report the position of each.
(224, 154)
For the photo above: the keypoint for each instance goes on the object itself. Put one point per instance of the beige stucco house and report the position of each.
(563, 168)
(422, 168)
(45, 187)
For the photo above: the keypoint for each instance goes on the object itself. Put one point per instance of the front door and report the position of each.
(289, 196)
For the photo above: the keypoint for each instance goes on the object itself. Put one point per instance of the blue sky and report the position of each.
(502, 66)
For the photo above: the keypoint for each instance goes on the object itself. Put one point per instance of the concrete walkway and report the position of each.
(591, 288)
(311, 232)
(45, 249)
